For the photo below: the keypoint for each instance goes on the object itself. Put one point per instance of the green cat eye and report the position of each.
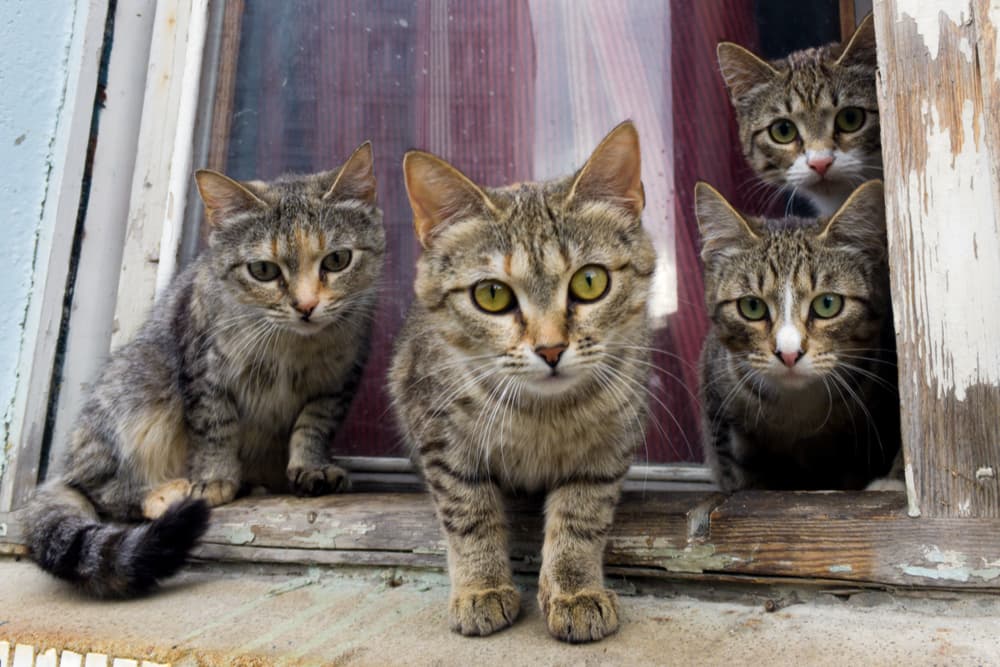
(336, 260)
(827, 305)
(783, 131)
(752, 308)
(850, 119)
(493, 296)
(265, 272)
(589, 283)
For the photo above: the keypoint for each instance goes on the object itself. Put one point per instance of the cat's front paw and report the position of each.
(215, 492)
(317, 481)
(159, 499)
(483, 611)
(585, 616)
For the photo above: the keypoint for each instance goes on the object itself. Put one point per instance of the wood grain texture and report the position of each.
(854, 538)
(939, 100)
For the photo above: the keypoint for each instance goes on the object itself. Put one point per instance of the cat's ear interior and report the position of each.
(724, 230)
(356, 179)
(860, 221)
(613, 173)
(741, 69)
(860, 47)
(439, 193)
(224, 197)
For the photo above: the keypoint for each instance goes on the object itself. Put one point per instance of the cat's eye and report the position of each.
(493, 296)
(783, 131)
(263, 271)
(827, 305)
(589, 283)
(850, 119)
(336, 260)
(752, 308)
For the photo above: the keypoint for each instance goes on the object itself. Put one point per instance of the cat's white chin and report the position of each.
(552, 385)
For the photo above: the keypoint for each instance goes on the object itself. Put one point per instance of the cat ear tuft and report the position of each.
(439, 194)
(613, 172)
(742, 70)
(724, 230)
(356, 179)
(224, 196)
(860, 49)
(860, 221)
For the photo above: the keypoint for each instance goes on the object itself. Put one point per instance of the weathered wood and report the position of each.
(856, 538)
(939, 100)
(225, 85)
(847, 19)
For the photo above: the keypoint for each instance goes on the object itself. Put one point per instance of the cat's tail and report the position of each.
(109, 560)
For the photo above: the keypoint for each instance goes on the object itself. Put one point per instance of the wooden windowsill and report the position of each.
(850, 538)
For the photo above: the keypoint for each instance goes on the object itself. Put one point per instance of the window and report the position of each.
(509, 91)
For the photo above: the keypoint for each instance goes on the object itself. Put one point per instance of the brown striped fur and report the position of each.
(232, 382)
(483, 411)
(831, 419)
(808, 88)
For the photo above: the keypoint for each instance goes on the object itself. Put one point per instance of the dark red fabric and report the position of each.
(316, 78)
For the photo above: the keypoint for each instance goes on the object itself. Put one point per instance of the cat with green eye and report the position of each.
(523, 367)
(798, 375)
(808, 123)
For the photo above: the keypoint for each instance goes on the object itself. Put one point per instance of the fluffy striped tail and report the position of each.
(109, 560)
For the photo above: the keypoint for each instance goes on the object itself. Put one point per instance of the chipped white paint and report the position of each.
(840, 568)
(927, 15)
(984, 473)
(965, 507)
(950, 566)
(912, 502)
(958, 261)
(241, 535)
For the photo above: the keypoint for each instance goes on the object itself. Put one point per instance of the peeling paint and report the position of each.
(951, 566)
(927, 15)
(240, 535)
(984, 473)
(839, 569)
(695, 558)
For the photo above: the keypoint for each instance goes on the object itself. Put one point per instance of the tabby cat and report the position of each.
(239, 378)
(798, 375)
(522, 367)
(809, 123)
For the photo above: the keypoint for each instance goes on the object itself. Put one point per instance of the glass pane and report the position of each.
(507, 91)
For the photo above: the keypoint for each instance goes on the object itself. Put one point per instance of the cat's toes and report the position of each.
(318, 481)
(159, 499)
(484, 611)
(886, 484)
(586, 616)
(215, 492)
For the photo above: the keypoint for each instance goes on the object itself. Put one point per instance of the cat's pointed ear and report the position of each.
(860, 221)
(439, 193)
(225, 197)
(741, 70)
(860, 47)
(724, 230)
(356, 179)
(613, 173)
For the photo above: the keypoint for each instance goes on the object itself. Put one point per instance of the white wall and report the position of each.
(36, 40)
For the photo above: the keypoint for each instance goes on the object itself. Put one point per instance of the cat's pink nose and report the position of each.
(790, 358)
(551, 353)
(820, 164)
(306, 307)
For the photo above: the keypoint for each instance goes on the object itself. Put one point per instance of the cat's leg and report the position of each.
(471, 511)
(310, 471)
(215, 472)
(576, 605)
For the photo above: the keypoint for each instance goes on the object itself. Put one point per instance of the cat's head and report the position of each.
(809, 122)
(538, 286)
(300, 251)
(796, 300)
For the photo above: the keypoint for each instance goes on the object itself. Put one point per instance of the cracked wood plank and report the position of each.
(939, 100)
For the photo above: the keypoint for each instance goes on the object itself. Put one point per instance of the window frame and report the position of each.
(672, 523)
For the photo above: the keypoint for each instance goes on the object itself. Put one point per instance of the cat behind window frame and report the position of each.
(809, 122)
(239, 378)
(798, 374)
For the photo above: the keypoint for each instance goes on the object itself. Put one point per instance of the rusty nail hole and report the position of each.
(311, 517)
(770, 606)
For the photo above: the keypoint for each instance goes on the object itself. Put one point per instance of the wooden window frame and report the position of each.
(944, 533)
